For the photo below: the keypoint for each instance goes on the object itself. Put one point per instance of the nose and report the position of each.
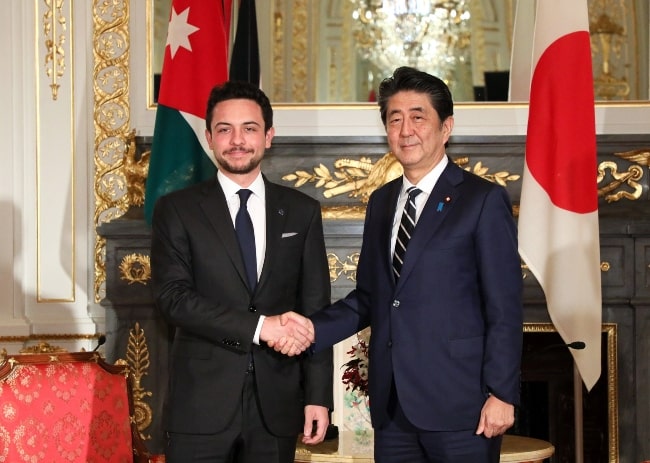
(406, 130)
(237, 137)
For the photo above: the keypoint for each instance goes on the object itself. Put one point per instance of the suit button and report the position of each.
(252, 309)
(396, 303)
(390, 344)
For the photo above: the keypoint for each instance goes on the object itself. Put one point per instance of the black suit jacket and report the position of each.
(199, 284)
(450, 331)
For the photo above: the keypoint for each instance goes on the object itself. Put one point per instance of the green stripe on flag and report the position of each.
(177, 158)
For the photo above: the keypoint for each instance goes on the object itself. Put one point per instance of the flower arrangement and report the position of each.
(355, 375)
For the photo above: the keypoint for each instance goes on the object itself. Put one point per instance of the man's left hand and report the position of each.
(317, 416)
(496, 417)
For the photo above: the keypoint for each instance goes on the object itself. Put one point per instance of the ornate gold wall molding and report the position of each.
(137, 354)
(613, 41)
(360, 177)
(111, 119)
(299, 56)
(135, 268)
(347, 267)
(629, 178)
(278, 51)
(343, 212)
(348, 58)
(54, 21)
(291, 61)
(135, 168)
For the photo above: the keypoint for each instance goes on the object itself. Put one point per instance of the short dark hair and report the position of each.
(235, 90)
(406, 78)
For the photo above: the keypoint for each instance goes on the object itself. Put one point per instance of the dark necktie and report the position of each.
(406, 227)
(246, 238)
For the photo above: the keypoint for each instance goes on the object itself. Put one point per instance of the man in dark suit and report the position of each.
(439, 282)
(225, 263)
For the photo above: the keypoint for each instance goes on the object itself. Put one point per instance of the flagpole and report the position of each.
(577, 414)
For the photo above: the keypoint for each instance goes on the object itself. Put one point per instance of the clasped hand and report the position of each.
(289, 333)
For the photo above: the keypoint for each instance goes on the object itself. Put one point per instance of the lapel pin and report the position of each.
(441, 204)
(281, 211)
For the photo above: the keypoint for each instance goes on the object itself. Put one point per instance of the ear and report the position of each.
(447, 127)
(269, 136)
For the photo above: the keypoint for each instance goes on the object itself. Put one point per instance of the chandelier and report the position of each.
(430, 35)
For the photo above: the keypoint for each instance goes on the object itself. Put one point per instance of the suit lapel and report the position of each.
(385, 226)
(442, 199)
(276, 213)
(215, 208)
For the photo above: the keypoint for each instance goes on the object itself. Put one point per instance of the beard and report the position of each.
(238, 168)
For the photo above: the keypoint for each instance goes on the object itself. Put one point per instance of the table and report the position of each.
(522, 449)
(358, 448)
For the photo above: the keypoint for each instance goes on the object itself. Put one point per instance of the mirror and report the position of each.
(310, 54)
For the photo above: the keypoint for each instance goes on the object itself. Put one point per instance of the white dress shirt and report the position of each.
(426, 185)
(257, 210)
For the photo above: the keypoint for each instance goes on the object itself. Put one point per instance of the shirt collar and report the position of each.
(427, 182)
(230, 188)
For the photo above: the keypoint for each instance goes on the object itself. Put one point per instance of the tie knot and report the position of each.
(412, 192)
(244, 194)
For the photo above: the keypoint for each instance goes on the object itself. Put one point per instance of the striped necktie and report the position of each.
(406, 227)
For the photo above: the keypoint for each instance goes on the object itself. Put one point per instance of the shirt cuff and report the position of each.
(256, 337)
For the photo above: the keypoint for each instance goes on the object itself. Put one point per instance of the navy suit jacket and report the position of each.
(199, 283)
(450, 331)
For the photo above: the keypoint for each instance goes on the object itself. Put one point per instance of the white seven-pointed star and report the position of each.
(178, 34)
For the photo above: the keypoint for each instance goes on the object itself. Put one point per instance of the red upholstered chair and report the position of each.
(67, 407)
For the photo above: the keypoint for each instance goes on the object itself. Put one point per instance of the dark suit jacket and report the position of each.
(199, 284)
(450, 331)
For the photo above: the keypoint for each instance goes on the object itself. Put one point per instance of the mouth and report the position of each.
(237, 152)
(408, 142)
(408, 145)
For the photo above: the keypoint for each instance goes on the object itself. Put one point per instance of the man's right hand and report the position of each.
(289, 333)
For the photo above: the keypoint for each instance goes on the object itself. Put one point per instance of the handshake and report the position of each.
(289, 333)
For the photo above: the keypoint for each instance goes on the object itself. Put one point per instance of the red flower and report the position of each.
(355, 375)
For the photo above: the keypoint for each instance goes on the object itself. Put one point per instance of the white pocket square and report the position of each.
(288, 235)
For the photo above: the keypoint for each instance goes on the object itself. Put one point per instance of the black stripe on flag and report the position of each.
(245, 60)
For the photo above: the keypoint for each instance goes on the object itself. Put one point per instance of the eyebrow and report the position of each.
(419, 109)
(230, 124)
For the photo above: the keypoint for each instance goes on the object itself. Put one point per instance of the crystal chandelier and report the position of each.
(431, 35)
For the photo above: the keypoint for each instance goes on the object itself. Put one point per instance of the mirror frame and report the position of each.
(265, 29)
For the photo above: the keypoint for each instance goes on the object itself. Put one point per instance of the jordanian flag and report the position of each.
(196, 59)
